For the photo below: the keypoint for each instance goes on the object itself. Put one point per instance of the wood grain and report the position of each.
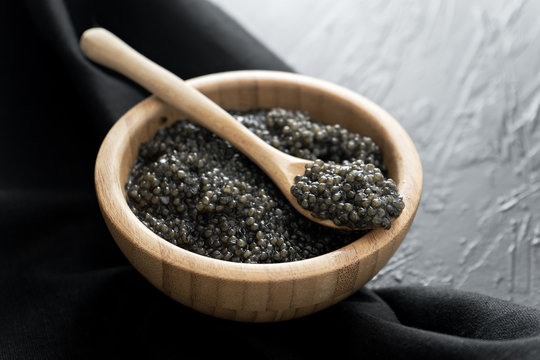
(257, 292)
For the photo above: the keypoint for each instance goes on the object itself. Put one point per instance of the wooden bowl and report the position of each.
(257, 292)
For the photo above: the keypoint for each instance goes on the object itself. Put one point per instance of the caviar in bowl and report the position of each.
(260, 292)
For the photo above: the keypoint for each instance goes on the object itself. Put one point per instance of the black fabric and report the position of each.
(66, 291)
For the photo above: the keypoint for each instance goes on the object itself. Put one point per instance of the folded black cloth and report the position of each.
(66, 291)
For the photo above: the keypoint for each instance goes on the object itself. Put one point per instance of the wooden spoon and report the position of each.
(105, 48)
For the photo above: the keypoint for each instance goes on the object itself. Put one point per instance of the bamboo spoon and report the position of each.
(105, 48)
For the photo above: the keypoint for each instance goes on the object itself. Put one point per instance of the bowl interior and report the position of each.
(324, 105)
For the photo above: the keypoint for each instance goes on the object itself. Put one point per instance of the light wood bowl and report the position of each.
(257, 292)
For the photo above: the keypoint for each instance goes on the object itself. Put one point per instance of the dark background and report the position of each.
(66, 291)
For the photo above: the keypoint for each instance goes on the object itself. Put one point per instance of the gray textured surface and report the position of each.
(463, 78)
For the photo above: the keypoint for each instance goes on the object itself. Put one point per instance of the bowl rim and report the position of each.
(118, 214)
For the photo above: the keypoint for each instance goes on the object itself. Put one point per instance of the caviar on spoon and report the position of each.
(299, 180)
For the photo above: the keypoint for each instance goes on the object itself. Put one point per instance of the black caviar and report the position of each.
(294, 133)
(352, 194)
(196, 191)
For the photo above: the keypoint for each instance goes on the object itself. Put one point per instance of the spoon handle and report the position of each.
(105, 48)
